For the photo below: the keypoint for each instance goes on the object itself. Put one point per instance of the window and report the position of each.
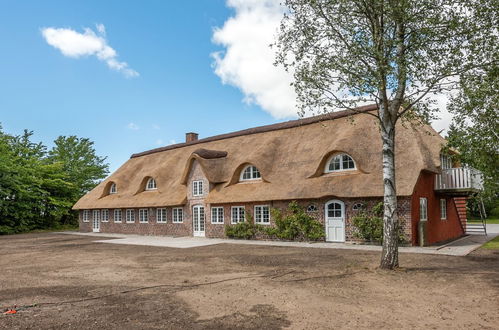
(113, 189)
(358, 206)
(143, 215)
(178, 215)
(197, 188)
(105, 215)
(161, 215)
(96, 215)
(262, 214)
(312, 208)
(130, 216)
(237, 214)
(217, 215)
(341, 162)
(151, 184)
(86, 215)
(443, 209)
(423, 209)
(117, 215)
(250, 173)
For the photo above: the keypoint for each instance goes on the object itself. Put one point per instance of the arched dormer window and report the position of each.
(151, 184)
(341, 162)
(113, 189)
(249, 173)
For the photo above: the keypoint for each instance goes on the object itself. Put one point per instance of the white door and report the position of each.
(198, 220)
(96, 221)
(335, 221)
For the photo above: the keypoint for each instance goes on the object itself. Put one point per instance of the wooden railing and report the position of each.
(461, 178)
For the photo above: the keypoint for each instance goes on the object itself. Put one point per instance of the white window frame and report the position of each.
(130, 216)
(151, 184)
(113, 189)
(96, 215)
(120, 217)
(104, 215)
(259, 215)
(341, 169)
(232, 219)
(161, 215)
(423, 209)
(143, 215)
(254, 173)
(177, 215)
(443, 209)
(197, 188)
(86, 216)
(216, 212)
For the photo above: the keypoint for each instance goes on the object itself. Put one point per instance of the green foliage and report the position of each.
(38, 189)
(474, 130)
(243, 230)
(369, 225)
(294, 224)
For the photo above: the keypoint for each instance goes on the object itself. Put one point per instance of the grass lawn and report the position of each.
(490, 220)
(493, 244)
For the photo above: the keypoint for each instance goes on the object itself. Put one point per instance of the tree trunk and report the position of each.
(389, 256)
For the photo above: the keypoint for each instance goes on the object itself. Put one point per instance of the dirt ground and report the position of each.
(78, 284)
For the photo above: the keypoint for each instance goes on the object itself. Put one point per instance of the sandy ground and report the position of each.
(78, 284)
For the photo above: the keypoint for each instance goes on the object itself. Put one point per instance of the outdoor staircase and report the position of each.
(470, 228)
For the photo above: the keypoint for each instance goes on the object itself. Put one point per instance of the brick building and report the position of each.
(330, 164)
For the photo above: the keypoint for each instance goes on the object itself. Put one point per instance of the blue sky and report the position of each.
(136, 75)
(167, 42)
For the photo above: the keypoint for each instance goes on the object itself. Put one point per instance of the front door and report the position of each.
(198, 220)
(335, 221)
(96, 221)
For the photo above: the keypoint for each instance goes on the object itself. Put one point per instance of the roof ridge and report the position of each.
(265, 128)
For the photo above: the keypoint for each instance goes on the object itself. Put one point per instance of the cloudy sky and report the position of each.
(137, 75)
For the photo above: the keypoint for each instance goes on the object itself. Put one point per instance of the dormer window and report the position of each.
(341, 162)
(113, 189)
(249, 173)
(151, 184)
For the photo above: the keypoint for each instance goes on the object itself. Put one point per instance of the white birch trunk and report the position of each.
(389, 255)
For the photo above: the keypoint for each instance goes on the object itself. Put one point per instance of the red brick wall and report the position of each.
(438, 230)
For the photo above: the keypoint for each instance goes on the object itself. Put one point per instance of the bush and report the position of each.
(369, 225)
(244, 230)
(294, 224)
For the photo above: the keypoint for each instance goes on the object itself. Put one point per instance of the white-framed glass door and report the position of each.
(96, 221)
(198, 220)
(335, 221)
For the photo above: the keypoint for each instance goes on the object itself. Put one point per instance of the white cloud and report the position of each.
(173, 142)
(74, 44)
(159, 142)
(133, 126)
(247, 61)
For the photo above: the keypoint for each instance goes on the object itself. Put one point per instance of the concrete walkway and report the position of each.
(460, 247)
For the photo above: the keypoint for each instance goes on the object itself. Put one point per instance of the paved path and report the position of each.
(460, 247)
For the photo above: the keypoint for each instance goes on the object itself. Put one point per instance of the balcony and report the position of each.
(459, 181)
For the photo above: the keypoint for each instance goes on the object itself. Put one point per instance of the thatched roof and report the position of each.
(290, 156)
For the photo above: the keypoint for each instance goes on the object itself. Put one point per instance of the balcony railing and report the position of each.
(459, 179)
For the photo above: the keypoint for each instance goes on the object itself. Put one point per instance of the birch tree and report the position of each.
(395, 53)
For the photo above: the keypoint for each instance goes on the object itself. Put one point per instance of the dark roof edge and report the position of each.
(266, 128)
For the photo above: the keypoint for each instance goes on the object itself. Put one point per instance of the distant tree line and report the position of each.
(38, 186)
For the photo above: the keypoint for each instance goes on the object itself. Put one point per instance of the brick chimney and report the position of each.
(191, 137)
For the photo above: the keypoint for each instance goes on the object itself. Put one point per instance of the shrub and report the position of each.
(369, 225)
(244, 230)
(295, 223)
